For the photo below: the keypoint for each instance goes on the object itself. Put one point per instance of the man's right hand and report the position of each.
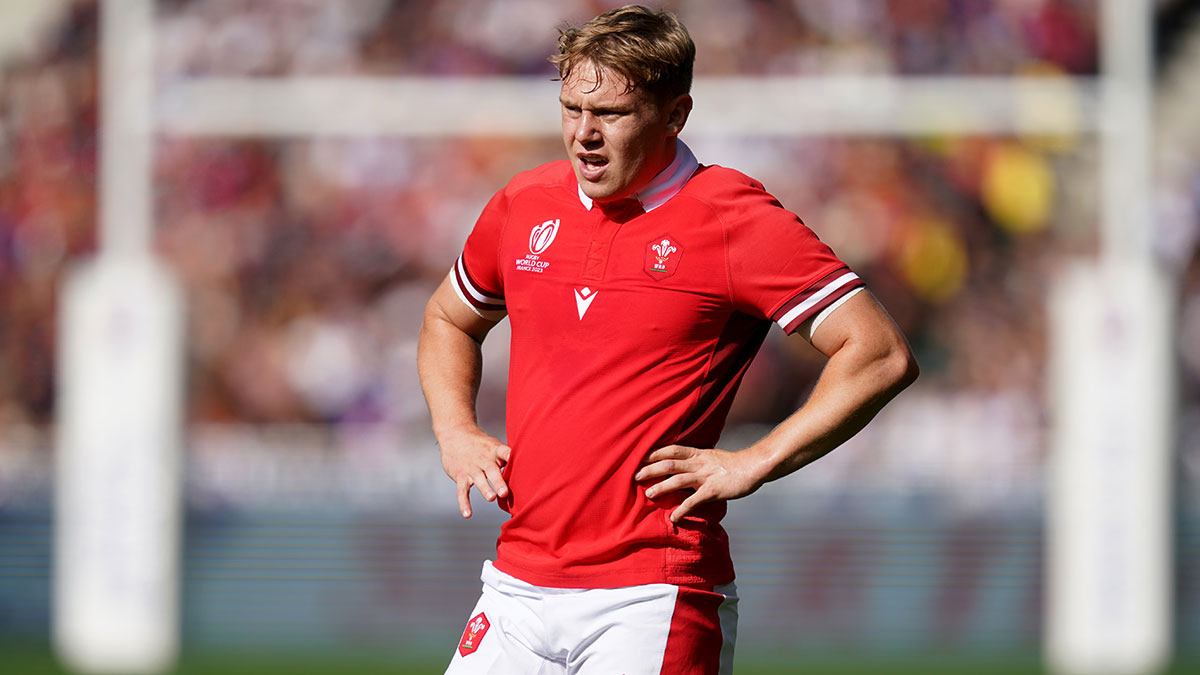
(471, 457)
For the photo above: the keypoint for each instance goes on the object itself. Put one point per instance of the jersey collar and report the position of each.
(665, 185)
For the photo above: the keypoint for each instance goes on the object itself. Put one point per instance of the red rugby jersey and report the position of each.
(631, 330)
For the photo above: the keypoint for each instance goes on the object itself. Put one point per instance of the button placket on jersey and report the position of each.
(603, 234)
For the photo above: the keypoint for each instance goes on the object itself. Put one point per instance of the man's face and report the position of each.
(617, 138)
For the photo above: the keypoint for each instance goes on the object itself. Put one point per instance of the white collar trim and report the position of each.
(665, 185)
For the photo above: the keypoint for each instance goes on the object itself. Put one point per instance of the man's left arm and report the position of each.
(869, 363)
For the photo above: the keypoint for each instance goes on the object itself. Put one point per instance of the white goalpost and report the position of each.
(120, 375)
(1108, 606)
(1109, 497)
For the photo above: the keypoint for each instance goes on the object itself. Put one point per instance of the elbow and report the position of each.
(902, 368)
(430, 320)
(895, 367)
(433, 313)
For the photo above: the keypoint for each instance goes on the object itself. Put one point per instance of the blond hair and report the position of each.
(650, 48)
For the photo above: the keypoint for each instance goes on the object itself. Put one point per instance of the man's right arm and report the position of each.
(450, 363)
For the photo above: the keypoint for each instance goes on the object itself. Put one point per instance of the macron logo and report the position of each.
(583, 300)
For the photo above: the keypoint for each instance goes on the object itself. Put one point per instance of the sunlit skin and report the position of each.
(617, 138)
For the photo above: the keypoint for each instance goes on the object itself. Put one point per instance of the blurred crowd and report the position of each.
(307, 261)
(737, 37)
(48, 153)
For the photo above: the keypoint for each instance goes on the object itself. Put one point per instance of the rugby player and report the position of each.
(639, 284)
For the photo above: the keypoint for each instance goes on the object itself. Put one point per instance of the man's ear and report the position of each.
(677, 113)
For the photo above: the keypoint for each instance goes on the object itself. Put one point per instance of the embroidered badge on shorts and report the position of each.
(477, 627)
(662, 257)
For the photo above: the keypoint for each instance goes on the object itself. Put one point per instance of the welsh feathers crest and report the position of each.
(662, 256)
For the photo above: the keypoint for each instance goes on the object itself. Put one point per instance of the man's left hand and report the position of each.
(714, 475)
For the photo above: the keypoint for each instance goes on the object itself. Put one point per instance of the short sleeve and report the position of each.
(778, 267)
(476, 274)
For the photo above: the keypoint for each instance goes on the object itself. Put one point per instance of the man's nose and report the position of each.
(588, 129)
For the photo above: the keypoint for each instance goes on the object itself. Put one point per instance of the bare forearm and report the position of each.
(852, 389)
(869, 363)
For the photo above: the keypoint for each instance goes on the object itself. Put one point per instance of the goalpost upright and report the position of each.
(1109, 500)
(120, 403)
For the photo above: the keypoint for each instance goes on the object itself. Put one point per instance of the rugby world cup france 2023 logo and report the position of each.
(542, 236)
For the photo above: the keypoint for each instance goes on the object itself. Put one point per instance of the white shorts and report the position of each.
(656, 629)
